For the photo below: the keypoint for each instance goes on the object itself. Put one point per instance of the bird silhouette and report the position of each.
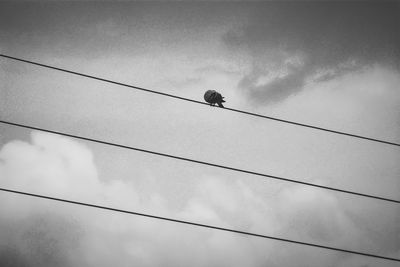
(213, 97)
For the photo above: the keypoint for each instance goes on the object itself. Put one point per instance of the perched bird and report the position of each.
(213, 97)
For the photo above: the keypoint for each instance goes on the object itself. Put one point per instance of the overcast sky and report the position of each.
(329, 64)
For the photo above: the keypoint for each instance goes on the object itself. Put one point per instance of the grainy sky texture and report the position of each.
(330, 64)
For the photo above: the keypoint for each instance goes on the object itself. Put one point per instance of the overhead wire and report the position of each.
(197, 224)
(203, 103)
(203, 162)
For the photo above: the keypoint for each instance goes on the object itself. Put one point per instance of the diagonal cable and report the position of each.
(198, 224)
(203, 162)
(199, 102)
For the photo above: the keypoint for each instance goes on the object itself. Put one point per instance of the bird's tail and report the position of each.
(220, 104)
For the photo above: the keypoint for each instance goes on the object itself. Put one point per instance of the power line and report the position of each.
(199, 102)
(197, 224)
(203, 162)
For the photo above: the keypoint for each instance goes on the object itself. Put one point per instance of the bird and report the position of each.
(213, 97)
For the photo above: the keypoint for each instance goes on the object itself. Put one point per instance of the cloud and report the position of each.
(277, 88)
(330, 37)
(42, 233)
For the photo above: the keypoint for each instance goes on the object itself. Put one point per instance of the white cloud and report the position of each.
(62, 235)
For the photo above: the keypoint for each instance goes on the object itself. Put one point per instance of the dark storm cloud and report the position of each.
(92, 29)
(330, 38)
(40, 240)
(11, 257)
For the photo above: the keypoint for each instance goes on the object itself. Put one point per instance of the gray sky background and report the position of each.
(331, 64)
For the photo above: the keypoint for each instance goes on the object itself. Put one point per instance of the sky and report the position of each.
(329, 64)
